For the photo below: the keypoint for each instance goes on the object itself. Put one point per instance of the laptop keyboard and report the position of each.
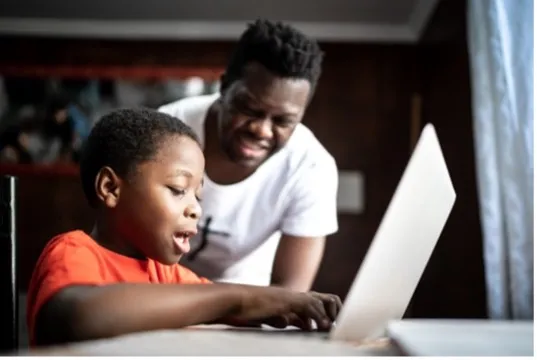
(286, 332)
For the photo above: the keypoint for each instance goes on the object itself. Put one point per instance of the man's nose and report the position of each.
(261, 128)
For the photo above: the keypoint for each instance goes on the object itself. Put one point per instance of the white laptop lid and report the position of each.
(402, 246)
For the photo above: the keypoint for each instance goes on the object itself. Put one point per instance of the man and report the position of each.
(269, 196)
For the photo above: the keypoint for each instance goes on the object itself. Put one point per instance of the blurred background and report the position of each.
(391, 66)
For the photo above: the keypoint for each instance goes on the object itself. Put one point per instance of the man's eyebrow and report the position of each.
(181, 173)
(248, 96)
(251, 99)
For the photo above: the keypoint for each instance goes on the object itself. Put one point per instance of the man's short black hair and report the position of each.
(280, 48)
(123, 139)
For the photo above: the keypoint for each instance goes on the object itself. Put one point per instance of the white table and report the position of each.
(218, 340)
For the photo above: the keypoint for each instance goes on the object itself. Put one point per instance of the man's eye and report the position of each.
(244, 109)
(251, 113)
(284, 122)
(177, 192)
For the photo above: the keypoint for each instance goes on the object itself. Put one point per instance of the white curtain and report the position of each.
(500, 38)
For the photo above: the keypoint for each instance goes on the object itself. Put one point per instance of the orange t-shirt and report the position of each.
(74, 258)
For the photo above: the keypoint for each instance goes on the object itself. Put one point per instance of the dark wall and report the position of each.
(453, 284)
(361, 113)
(47, 204)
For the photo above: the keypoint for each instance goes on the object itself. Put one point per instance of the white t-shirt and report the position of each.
(293, 192)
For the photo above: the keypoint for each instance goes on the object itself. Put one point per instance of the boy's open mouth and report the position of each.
(181, 241)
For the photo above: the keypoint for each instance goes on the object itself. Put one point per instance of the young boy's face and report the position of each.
(158, 209)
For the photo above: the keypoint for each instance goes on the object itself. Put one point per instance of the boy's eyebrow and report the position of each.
(184, 173)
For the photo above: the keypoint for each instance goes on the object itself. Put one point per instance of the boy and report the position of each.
(142, 170)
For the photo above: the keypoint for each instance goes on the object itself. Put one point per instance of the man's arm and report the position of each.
(311, 216)
(297, 262)
(79, 313)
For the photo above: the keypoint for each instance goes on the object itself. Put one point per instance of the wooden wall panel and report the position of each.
(363, 119)
(48, 203)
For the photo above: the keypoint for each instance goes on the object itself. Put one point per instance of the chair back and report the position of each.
(8, 279)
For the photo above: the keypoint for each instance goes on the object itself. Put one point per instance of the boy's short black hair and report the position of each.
(280, 48)
(124, 138)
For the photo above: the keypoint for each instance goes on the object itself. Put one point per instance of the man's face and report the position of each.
(259, 114)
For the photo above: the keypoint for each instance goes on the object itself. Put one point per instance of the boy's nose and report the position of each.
(193, 211)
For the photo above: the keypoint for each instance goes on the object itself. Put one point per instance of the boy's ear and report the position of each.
(108, 187)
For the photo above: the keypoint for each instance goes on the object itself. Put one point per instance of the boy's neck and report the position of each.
(104, 234)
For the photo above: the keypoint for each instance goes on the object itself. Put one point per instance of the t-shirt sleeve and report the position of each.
(312, 210)
(172, 109)
(60, 266)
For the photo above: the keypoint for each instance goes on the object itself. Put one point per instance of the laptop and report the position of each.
(401, 248)
(462, 337)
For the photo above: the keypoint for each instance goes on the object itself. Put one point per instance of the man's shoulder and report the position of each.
(305, 151)
(186, 107)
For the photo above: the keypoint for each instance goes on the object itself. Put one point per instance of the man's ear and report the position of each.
(108, 187)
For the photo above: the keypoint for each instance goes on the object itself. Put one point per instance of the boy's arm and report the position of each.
(79, 313)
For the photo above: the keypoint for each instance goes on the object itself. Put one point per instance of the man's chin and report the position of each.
(249, 163)
(244, 161)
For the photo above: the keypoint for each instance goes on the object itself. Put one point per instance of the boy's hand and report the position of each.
(280, 308)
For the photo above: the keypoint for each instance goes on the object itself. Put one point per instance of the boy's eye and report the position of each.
(177, 192)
